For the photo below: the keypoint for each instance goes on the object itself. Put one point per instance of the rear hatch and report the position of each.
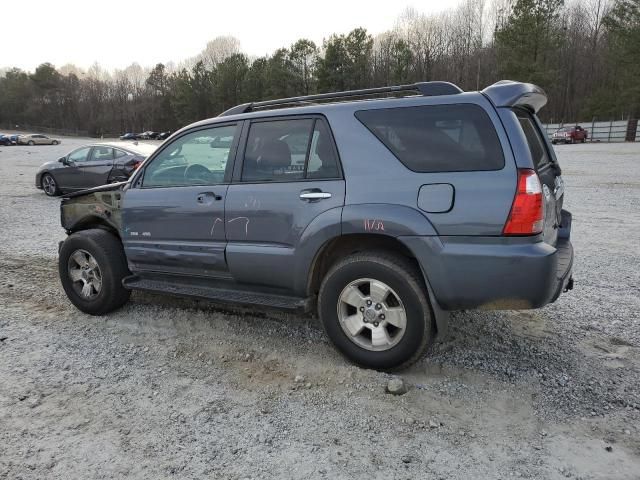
(549, 173)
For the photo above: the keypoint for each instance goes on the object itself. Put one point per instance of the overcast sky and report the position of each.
(116, 33)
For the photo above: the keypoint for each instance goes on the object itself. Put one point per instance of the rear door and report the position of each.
(548, 171)
(289, 177)
(124, 164)
(96, 170)
(173, 216)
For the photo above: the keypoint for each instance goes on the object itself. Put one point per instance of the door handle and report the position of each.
(314, 195)
(207, 197)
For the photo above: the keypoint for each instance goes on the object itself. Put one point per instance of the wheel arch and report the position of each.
(46, 172)
(348, 244)
(338, 247)
(93, 221)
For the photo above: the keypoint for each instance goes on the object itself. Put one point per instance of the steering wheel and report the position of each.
(196, 171)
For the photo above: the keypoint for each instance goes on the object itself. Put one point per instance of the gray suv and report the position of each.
(383, 209)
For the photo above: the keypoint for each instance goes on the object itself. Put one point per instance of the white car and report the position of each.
(37, 139)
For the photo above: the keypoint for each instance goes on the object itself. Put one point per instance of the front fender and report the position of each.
(102, 207)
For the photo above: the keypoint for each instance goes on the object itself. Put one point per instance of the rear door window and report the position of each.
(323, 160)
(534, 139)
(289, 150)
(101, 153)
(437, 138)
(276, 150)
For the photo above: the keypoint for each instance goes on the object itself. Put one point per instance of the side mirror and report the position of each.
(63, 160)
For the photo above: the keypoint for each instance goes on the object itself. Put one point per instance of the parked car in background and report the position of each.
(148, 135)
(129, 136)
(14, 138)
(383, 214)
(570, 135)
(5, 140)
(163, 135)
(90, 166)
(37, 139)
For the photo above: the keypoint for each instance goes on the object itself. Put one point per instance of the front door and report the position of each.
(70, 176)
(173, 216)
(290, 176)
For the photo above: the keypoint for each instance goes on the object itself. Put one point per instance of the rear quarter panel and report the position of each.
(374, 175)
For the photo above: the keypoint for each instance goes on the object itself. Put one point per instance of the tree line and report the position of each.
(585, 54)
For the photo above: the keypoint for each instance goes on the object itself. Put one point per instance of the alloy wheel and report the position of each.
(372, 314)
(85, 274)
(49, 185)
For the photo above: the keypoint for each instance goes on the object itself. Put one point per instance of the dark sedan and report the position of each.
(129, 136)
(91, 166)
(5, 140)
(148, 135)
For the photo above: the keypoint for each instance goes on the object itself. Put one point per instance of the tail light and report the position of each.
(527, 211)
(136, 164)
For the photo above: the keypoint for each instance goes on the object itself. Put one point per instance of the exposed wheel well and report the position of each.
(94, 222)
(346, 245)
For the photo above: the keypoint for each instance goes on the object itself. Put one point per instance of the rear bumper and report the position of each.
(493, 272)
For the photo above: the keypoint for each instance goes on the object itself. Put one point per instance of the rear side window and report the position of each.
(102, 153)
(534, 139)
(437, 138)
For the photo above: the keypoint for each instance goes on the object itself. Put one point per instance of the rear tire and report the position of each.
(400, 347)
(55, 142)
(106, 251)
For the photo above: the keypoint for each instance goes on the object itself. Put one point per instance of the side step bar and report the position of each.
(219, 295)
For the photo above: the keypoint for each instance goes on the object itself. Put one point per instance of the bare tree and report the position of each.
(217, 50)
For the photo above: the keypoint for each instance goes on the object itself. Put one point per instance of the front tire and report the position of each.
(55, 142)
(92, 265)
(49, 185)
(374, 308)
(30, 143)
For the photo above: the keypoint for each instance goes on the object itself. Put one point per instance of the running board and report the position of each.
(219, 295)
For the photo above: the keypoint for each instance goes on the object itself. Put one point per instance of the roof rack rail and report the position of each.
(423, 88)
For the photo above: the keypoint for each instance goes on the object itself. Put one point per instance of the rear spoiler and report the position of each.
(507, 93)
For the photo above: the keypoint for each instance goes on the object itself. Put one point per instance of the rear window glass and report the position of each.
(437, 138)
(534, 139)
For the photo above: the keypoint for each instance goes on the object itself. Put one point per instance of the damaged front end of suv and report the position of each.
(96, 207)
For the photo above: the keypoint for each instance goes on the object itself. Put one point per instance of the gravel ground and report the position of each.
(167, 388)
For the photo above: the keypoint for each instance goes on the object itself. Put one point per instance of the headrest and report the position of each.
(274, 154)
